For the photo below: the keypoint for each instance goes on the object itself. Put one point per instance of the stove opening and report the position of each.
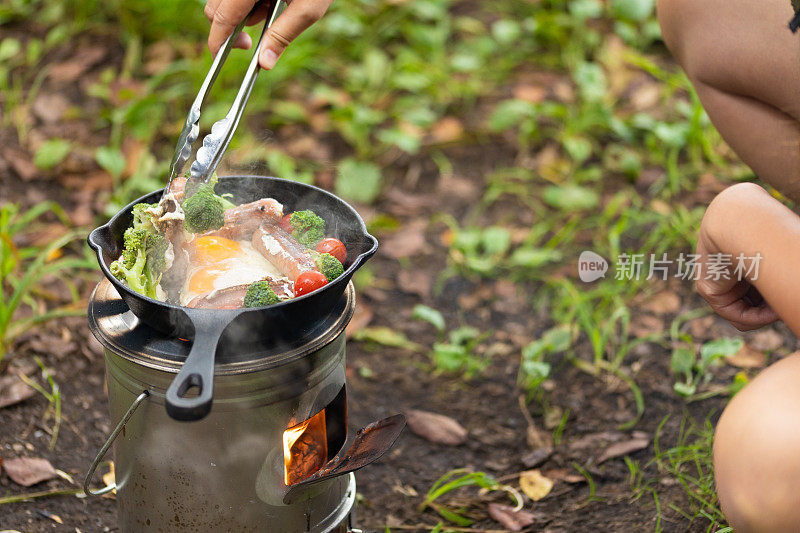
(312, 443)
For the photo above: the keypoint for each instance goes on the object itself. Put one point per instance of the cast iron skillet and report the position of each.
(280, 323)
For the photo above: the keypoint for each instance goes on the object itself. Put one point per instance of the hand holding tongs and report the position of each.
(216, 142)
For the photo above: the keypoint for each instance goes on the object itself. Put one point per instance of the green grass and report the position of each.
(604, 155)
(22, 269)
(688, 460)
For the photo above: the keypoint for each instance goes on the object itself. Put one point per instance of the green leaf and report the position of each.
(718, 348)
(634, 10)
(51, 153)
(496, 240)
(9, 47)
(579, 148)
(111, 160)
(591, 80)
(534, 257)
(430, 315)
(385, 337)
(506, 31)
(682, 361)
(510, 113)
(570, 197)
(684, 389)
(558, 338)
(405, 141)
(359, 181)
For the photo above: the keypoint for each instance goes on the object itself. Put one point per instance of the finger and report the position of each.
(243, 41)
(258, 14)
(743, 316)
(210, 9)
(298, 16)
(227, 15)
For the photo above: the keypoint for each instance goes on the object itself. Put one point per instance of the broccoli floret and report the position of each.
(330, 267)
(307, 227)
(203, 210)
(192, 186)
(260, 294)
(143, 260)
(156, 250)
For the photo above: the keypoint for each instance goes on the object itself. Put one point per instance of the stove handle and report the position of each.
(90, 474)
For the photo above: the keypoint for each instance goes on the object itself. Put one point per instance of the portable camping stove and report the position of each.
(270, 456)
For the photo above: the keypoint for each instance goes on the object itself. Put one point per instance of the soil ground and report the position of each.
(383, 381)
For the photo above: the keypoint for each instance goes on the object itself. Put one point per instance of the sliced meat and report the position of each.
(233, 297)
(230, 298)
(177, 188)
(282, 250)
(241, 221)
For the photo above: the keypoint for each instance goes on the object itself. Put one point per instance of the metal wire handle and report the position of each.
(90, 474)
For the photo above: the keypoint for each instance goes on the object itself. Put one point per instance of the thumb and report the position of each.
(295, 19)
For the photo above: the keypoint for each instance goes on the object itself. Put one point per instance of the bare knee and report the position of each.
(671, 18)
(757, 452)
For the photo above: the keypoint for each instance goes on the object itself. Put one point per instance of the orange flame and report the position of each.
(305, 448)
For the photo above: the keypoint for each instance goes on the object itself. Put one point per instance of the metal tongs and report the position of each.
(215, 143)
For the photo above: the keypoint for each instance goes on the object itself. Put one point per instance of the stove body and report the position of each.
(228, 471)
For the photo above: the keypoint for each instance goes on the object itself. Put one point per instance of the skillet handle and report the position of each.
(197, 371)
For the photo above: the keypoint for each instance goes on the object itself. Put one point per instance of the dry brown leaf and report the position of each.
(415, 281)
(536, 457)
(644, 325)
(158, 57)
(98, 180)
(50, 107)
(21, 162)
(625, 447)
(700, 328)
(747, 357)
(408, 241)
(436, 428)
(510, 518)
(766, 340)
(567, 476)
(459, 188)
(530, 93)
(447, 130)
(646, 96)
(535, 485)
(664, 302)
(13, 390)
(109, 478)
(71, 69)
(402, 203)
(27, 471)
(361, 319)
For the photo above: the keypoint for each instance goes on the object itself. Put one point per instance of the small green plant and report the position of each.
(457, 353)
(690, 461)
(693, 369)
(21, 269)
(534, 368)
(53, 397)
(456, 479)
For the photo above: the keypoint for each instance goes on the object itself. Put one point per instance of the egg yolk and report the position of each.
(211, 249)
(202, 281)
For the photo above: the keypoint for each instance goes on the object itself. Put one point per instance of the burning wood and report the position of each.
(305, 448)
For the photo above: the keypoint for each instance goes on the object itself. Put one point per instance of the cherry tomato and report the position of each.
(335, 247)
(286, 223)
(309, 282)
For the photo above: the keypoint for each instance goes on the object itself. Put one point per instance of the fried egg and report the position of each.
(218, 263)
